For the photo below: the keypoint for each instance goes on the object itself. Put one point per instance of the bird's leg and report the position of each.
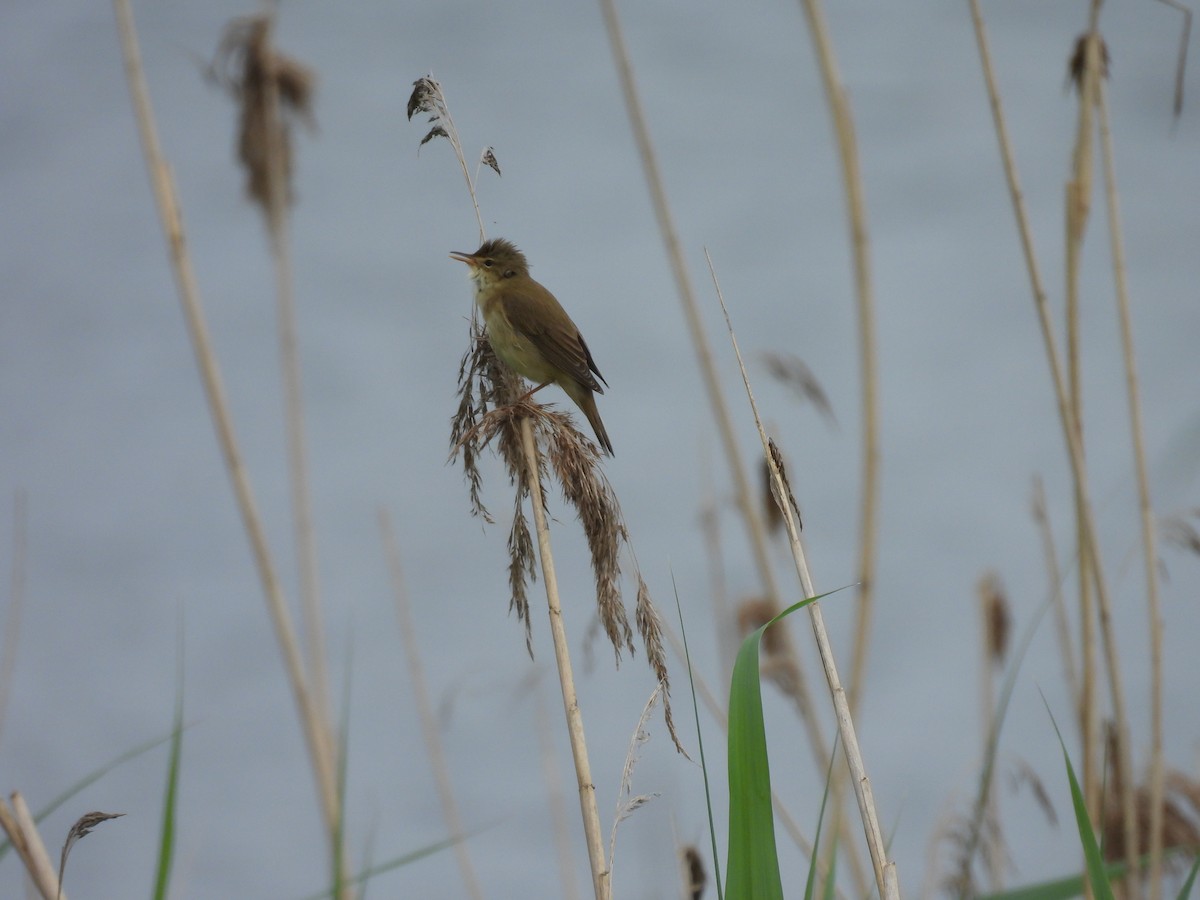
(529, 394)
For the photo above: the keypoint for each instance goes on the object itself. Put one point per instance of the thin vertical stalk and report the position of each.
(279, 231)
(885, 870)
(856, 208)
(425, 714)
(1070, 433)
(314, 729)
(743, 492)
(1145, 507)
(583, 772)
(555, 798)
(847, 142)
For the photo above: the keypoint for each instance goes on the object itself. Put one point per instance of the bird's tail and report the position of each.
(586, 401)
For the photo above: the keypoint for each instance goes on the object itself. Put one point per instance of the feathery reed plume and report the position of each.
(486, 412)
(627, 801)
(695, 876)
(251, 70)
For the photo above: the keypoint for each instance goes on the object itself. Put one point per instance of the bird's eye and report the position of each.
(509, 273)
(487, 263)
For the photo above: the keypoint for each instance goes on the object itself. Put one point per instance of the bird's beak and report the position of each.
(464, 257)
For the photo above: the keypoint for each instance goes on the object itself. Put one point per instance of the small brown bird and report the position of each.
(530, 331)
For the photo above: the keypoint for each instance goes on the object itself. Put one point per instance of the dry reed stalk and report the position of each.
(1089, 66)
(316, 729)
(1156, 785)
(601, 882)
(1070, 427)
(22, 831)
(554, 796)
(856, 208)
(743, 491)
(848, 157)
(272, 91)
(425, 713)
(886, 879)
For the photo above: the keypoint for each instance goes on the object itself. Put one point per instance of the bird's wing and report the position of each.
(537, 316)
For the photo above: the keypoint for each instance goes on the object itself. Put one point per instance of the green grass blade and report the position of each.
(712, 824)
(1093, 859)
(166, 832)
(752, 862)
(395, 863)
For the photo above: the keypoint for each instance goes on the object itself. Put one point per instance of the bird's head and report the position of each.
(494, 262)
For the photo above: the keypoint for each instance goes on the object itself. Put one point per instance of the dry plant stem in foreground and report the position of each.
(18, 824)
(885, 871)
(1069, 426)
(1145, 507)
(429, 726)
(314, 727)
(566, 677)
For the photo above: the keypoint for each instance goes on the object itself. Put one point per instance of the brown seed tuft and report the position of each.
(1078, 59)
(255, 74)
(695, 877)
(997, 621)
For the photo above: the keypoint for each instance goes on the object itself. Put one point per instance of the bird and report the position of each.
(530, 331)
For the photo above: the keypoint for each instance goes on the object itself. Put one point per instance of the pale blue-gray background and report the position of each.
(132, 525)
